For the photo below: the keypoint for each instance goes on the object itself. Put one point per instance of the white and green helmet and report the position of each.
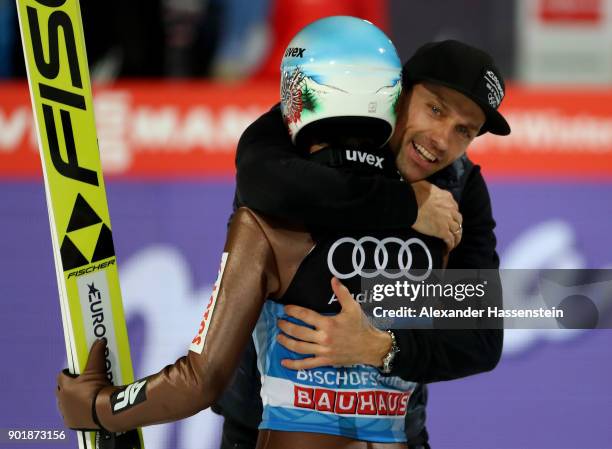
(340, 66)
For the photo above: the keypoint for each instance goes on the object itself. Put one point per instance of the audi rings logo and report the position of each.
(381, 258)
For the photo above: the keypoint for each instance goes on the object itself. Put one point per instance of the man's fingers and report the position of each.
(449, 239)
(300, 332)
(301, 347)
(456, 228)
(455, 240)
(458, 236)
(448, 199)
(342, 293)
(307, 363)
(457, 217)
(306, 315)
(96, 361)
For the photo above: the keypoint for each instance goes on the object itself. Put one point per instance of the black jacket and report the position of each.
(274, 178)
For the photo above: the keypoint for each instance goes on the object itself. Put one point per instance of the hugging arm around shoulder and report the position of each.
(274, 178)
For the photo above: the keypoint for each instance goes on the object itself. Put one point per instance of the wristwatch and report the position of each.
(388, 359)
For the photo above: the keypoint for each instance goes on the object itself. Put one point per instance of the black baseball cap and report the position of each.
(465, 69)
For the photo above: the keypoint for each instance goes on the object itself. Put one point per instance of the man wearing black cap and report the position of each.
(451, 95)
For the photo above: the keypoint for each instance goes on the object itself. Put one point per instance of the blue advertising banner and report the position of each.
(549, 391)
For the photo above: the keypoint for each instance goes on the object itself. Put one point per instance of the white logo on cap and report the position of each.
(496, 92)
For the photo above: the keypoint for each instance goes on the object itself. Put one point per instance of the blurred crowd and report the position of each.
(227, 39)
(532, 41)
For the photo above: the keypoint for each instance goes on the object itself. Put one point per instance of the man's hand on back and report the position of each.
(438, 214)
(344, 339)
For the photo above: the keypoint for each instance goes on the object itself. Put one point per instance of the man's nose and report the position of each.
(440, 138)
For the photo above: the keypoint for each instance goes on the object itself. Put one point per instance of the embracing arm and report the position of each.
(425, 355)
(247, 278)
(445, 354)
(273, 178)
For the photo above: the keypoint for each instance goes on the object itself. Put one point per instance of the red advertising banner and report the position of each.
(162, 130)
(556, 132)
(146, 129)
(571, 11)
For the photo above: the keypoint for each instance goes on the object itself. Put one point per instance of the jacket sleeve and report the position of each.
(192, 383)
(445, 354)
(274, 178)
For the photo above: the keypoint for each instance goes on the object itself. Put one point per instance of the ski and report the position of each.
(81, 233)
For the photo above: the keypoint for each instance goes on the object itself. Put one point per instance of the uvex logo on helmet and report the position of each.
(382, 247)
(295, 52)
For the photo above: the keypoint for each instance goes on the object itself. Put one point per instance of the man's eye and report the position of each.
(436, 110)
(464, 131)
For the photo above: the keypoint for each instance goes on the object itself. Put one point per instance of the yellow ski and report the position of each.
(86, 267)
